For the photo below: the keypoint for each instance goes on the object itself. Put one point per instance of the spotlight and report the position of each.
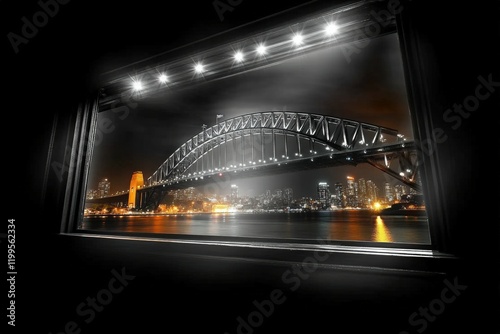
(137, 85)
(297, 39)
(261, 49)
(199, 68)
(163, 78)
(238, 57)
(331, 29)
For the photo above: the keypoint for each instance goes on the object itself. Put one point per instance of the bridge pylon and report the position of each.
(136, 181)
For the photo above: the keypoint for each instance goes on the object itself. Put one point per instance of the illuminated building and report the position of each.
(92, 193)
(371, 192)
(362, 194)
(103, 187)
(288, 196)
(399, 191)
(268, 195)
(278, 193)
(324, 194)
(351, 192)
(339, 195)
(389, 194)
(234, 193)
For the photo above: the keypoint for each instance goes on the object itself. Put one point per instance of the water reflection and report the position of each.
(381, 233)
(356, 226)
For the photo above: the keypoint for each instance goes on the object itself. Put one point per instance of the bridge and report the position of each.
(276, 142)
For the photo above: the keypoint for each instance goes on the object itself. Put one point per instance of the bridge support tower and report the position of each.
(136, 182)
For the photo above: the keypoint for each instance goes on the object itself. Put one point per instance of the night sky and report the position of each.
(369, 88)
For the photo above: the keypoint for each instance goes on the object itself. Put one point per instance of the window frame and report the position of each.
(83, 127)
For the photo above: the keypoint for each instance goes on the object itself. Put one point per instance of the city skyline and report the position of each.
(232, 187)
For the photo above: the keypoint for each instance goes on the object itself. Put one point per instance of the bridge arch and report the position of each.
(275, 131)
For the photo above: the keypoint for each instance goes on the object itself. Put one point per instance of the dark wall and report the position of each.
(453, 81)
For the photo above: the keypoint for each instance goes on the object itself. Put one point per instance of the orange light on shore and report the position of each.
(220, 208)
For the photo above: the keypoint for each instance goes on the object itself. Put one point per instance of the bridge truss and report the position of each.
(278, 142)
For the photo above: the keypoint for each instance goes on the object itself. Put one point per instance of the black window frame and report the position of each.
(83, 124)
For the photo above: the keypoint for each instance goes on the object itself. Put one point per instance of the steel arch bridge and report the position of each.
(276, 142)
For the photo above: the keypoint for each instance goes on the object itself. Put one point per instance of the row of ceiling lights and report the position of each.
(261, 50)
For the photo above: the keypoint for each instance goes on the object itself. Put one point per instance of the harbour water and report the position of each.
(349, 225)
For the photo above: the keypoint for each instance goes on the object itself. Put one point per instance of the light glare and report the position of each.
(331, 29)
(163, 78)
(261, 50)
(238, 56)
(137, 85)
(298, 39)
(199, 68)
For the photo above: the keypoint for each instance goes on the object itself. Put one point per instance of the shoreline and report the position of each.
(419, 213)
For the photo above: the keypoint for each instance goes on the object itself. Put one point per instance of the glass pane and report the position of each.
(315, 147)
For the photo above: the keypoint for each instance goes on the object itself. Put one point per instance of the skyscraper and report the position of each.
(324, 194)
(351, 192)
(389, 194)
(288, 196)
(399, 191)
(103, 188)
(339, 195)
(278, 193)
(371, 192)
(234, 193)
(362, 194)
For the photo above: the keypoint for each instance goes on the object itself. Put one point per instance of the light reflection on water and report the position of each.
(356, 225)
(381, 232)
